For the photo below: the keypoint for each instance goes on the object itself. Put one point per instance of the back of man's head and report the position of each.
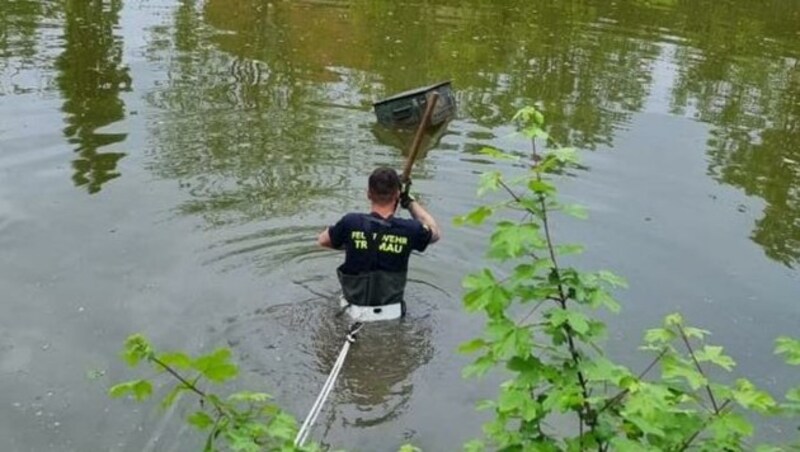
(384, 185)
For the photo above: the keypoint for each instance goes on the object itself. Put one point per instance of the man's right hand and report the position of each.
(422, 215)
(406, 199)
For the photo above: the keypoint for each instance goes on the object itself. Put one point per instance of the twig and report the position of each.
(533, 310)
(562, 298)
(699, 369)
(191, 386)
(180, 378)
(694, 436)
(514, 195)
(591, 416)
(641, 375)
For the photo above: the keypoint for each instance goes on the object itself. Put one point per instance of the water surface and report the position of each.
(166, 165)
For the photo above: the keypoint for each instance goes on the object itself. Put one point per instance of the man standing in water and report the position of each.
(377, 248)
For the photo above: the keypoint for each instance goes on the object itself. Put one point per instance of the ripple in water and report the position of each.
(268, 249)
(290, 348)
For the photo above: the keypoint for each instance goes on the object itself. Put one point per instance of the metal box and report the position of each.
(405, 110)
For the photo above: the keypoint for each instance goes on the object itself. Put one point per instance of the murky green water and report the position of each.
(165, 166)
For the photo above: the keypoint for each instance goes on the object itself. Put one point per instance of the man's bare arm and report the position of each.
(324, 239)
(419, 213)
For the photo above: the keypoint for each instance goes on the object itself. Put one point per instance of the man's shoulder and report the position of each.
(351, 219)
(406, 223)
(351, 216)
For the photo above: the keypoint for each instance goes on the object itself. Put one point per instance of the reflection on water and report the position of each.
(305, 337)
(402, 139)
(745, 80)
(245, 138)
(256, 129)
(590, 67)
(754, 105)
(377, 377)
(91, 77)
(24, 37)
(264, 99)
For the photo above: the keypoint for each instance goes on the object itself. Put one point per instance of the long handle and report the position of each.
(412, 154)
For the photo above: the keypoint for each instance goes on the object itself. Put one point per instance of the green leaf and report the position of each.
(485, 293)
(511, 240)
(575, 210)
(480, 367)
(575, 319)
(524, 364)
(659, 336)
(597, 330)
(569, 248)
(713, 354)
(674, 319)
(525, 272)
(497, 154)
(471, 346)
(409, 448)
(476, 217)
(119, 390)
(789, 347)
(534, 131)
(601, 369)
(566, 156)
(137, 349)
(541, 187)
(563, 398)
(525, 114)
(516, 341)
(673, 368)
(142, 390)
(646, 425)
(511, 399)
(793, 395)
(247, 396)
(200, 420)
(490, 181)
(770, 448)
(498, 328)
(750, 397)
(695, 332)
(485, 405)
(172, 395)
(600, 297)
(178, 360)
(283, 426)
(475, 446)
(556, 317)
(538, 117)
(612, 279)
(216, 366)
(731, 424)
(623, 444)
(479, 281)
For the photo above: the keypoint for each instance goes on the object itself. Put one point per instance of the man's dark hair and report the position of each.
(384, 183)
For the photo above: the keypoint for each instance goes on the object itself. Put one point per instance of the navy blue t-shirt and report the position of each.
(374, 243)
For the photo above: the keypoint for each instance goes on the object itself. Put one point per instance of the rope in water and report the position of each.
(302, 434)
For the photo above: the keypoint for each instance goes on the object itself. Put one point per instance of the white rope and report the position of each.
(305, 429)
(302, 435)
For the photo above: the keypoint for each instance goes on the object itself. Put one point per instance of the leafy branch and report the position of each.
(243, 421)
(616, 408)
